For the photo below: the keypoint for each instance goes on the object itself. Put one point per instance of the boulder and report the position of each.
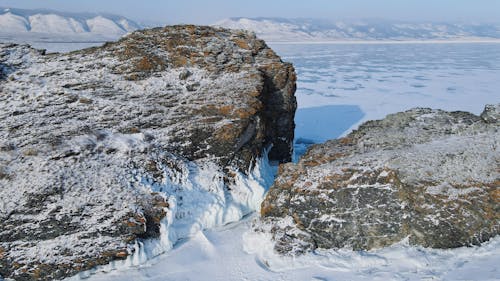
(96, 145)
(429, 176)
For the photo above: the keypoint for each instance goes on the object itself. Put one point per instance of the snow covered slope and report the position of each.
(307, 30)
(233, 253)
(47, 25)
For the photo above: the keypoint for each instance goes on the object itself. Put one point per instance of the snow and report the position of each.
(232, 253)
(128, 25)
(13, 23)
(398, 262)
(102, 25)
(450, 191)
(474, 162)
(52, 23)
(48, 29)
(197, 201)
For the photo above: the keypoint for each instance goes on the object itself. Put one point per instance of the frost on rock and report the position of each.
(154, 136)
(427, 175)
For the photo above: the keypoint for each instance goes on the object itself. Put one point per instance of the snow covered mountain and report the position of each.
(306, 30)
(54, 25)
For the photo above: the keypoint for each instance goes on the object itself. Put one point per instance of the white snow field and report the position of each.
(339, 86)
(233, 253)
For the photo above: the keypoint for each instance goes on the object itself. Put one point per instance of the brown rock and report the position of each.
(112, 124)
(427, 175)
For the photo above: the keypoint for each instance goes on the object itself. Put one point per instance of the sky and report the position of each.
(210, 11)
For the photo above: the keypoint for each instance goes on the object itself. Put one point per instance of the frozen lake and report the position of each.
(341, 85)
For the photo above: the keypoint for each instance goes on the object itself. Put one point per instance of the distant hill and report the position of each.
(40, 25)
(307, 30)
(52, 25)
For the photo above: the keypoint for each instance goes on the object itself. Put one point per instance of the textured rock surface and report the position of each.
(429, 175)
(85, 136)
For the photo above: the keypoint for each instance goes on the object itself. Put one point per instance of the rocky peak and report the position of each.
(215, 52)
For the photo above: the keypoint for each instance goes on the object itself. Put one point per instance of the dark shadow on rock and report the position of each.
(319, 124)
(3, 74)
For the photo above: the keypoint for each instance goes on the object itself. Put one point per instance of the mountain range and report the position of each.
(317, 30)
(55, 25)
(21, 25)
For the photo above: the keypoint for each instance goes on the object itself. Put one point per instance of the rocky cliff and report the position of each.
(106, 146)
(428, 176)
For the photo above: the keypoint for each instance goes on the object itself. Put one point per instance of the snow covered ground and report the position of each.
(232, 253)
(340, 86)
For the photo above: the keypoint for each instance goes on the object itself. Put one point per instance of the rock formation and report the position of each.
(426, 175)
(94, 144)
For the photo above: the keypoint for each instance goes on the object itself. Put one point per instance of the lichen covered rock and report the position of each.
(95, 144)
(427, 175)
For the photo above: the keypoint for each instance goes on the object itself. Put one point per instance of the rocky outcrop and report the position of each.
(95, 144)
(426, 175)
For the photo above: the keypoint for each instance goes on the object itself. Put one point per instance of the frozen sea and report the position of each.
(342, 85)
(339, 87)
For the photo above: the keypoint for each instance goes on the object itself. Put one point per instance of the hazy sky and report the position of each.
(209, 11)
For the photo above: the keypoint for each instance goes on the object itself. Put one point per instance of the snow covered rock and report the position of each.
(154, 135)
(430, 176)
